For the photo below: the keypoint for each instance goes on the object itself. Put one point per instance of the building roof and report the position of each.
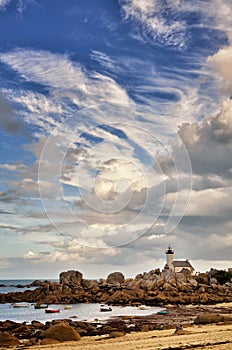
(182, 263)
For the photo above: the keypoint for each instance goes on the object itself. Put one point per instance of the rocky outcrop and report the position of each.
(71, 277)
(115, 277)
(151, 288)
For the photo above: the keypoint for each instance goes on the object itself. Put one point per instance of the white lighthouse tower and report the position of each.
(169, 258)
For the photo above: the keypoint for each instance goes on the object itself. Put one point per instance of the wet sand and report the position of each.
(210, 337)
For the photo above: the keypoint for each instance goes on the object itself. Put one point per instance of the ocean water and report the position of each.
(81, 311)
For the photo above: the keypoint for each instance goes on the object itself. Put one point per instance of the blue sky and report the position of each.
(116, 135)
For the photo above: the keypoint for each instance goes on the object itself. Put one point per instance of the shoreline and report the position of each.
(125, 325)
(210, 337)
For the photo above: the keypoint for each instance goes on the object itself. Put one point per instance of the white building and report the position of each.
(177, 265)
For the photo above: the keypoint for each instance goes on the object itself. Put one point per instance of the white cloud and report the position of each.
(20, 4)
(172, 94)
(4, 4)
(104, 60)
(222, 62)
(64, 77)
(156, 26)
(215, 202)
(209, 143)
(44, 112)
(149, 13)
(66, 251)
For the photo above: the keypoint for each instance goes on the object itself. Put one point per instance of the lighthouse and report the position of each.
(177, 265)
(169, 258)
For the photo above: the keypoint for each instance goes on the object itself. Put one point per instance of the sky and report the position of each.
(116, 135)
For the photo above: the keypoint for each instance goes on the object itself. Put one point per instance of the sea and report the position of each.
(79, 312)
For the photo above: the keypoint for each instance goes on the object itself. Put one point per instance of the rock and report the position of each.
(23, 331)
(209, 318)
(115, 277)
(8, 325)
(128, 280)
(20, 286)
(167, 286)
(202, 288)
(213, 280)
(119, 297)
(130, 284)
(8, 339)
(71, 277)
(147, 275)
(139, 276)
(181, 332)
(61, 332)
(181, 277)
(159, 282)
(48, 341)
(146, 327)
(90, 285)
(32, 341)
(148, 285)
(203, 298)
(193, 282)
(37, 324)
(168, 275)
(109, 329)
(36, 283)
(116, 334)
(176, 288)
(183, 287)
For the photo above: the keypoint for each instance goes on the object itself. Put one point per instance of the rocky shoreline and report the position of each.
(56, 331)
(187, 298)
(150, 288)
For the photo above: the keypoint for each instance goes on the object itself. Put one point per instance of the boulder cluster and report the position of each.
(151, 288)
(12, 333)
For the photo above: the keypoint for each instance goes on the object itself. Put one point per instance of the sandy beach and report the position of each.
(210, 337)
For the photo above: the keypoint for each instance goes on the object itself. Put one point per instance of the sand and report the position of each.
(210, 337)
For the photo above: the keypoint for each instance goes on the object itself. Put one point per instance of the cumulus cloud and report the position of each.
(222, 62)
(209, 143)
(66, 251)
(209, 202)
